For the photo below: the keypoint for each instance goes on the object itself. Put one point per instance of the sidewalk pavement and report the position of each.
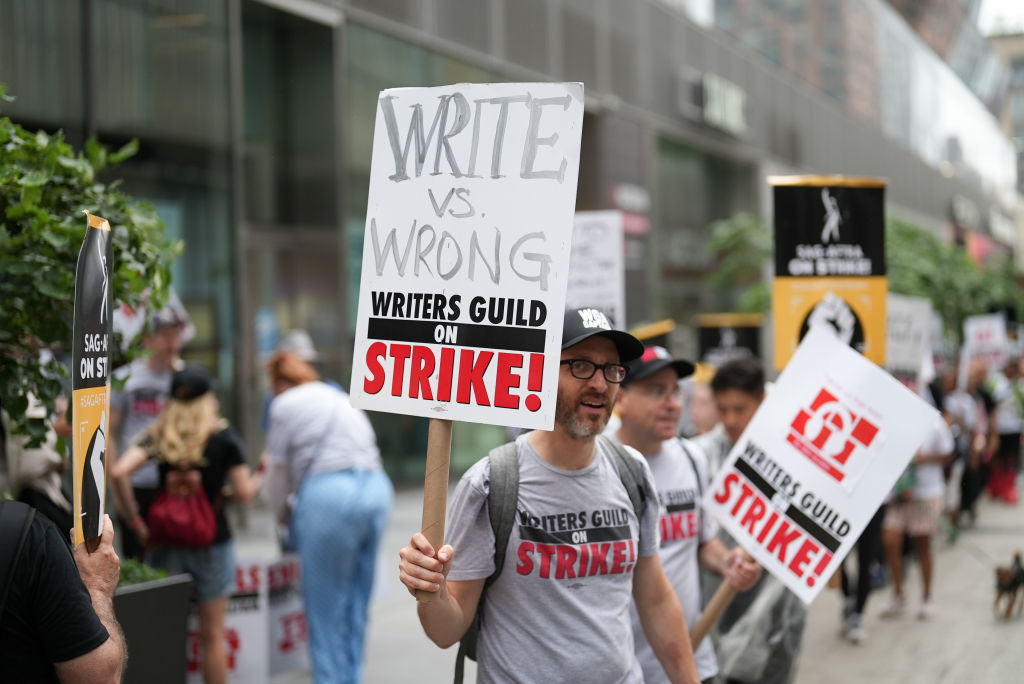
(964, 642)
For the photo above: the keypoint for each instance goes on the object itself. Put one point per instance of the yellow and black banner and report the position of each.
(90, 380)
(829, 261)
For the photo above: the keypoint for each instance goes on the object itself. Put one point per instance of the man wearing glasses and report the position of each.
(649, 406)
(577, 556)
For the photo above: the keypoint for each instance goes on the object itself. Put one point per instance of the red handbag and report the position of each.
(181, 515)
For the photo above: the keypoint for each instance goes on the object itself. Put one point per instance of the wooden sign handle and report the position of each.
(435, 488)
(716, 606)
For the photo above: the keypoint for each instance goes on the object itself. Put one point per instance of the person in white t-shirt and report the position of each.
(649, 405)
(578, 554)
(916, 512)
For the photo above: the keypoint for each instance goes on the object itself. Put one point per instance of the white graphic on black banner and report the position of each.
(830, 231)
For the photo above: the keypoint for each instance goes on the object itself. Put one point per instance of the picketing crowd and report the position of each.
(582, 546)
(493, 579)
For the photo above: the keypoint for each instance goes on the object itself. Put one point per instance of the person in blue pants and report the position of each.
(326, 482)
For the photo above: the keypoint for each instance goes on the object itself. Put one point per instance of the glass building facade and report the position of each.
(255, 122)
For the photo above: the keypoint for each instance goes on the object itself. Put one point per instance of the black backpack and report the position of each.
(501, 508)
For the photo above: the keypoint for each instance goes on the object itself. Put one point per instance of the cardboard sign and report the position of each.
(816, 461)
(727, 336)
(985, 337)
(596, 276)
(829, 261)
(245, 632)
(90, 379)
(907, 333)
(466, 251)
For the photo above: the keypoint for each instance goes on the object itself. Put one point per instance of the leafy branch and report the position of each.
(44, 186)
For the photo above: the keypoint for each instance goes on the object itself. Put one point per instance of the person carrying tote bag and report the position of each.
(322, 456)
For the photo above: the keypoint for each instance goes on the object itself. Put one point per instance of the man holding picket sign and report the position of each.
(577, 555)
(648, 406)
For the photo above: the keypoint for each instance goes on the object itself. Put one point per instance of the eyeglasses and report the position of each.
(583, 369)
(660, 393)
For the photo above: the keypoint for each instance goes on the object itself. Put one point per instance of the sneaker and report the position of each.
(895, 607)
(926, 611)
(855, 629)
(849, 605)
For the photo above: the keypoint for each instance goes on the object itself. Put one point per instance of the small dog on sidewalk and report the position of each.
(1010, 583)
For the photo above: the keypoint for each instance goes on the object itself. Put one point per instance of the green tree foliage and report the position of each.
(44, 186)
(919, 264)
(742, 248)
(922, 265)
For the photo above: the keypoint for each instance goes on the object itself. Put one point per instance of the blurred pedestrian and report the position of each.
(703, 414)
(855, 594)
(57, 621)
(35, 471)
(916, 511)
(1007, 389)
(326, 482)
(133, 408)
(195, 450)
(649, 405)
(984, 439)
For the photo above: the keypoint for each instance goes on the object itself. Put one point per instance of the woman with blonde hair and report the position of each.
(323, 455)
(197, 454)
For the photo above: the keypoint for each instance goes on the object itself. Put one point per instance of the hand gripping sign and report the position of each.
(465, 260)
(90, 380)
(816, 461)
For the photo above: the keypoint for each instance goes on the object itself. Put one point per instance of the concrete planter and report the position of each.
(154, 617)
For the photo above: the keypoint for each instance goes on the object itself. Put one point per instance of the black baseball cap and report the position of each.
(190, 383)
(579, 324)
(654, 359)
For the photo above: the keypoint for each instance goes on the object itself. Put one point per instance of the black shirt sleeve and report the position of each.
(61, 611)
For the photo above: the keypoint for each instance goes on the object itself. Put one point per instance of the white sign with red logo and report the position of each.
(596, 276)
(245, 632)
(289, 635)
(816, 461)
(265, 609)
(466, 251)
(985, 337)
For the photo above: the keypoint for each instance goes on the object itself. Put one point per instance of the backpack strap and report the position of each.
(630, 472)
(693, 464)
(502, 498)
(15, 520)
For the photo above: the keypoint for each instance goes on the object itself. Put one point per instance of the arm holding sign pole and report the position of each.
(741, 573)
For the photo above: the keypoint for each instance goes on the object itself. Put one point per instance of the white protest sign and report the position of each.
(466, 251)
(985, 337)
(596, 275)
(245, 629)
(907, 333)
(288, 632)
(818, 457)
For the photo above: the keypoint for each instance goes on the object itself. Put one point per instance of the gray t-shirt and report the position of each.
(684, 528)
(143, 397)
(560, 609)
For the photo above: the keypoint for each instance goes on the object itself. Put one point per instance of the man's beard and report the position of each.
(567, 415)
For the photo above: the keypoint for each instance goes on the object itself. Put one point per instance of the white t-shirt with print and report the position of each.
(560, 611)
(684, 528)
